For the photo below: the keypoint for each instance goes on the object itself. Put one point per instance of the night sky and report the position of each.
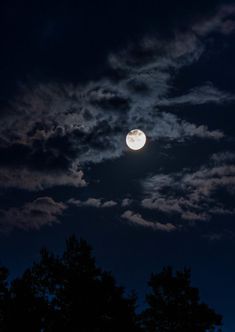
(75, 78)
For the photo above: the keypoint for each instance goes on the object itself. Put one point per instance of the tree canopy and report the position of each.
(70, 293)
(174, 305)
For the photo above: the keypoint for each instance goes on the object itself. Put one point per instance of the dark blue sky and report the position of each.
(75, 77)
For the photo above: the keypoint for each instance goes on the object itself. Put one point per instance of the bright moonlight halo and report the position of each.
(135, 139)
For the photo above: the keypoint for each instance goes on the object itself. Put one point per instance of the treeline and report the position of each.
(70, 293)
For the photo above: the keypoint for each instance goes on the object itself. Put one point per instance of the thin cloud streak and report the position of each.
(92, 202)
(138, 220)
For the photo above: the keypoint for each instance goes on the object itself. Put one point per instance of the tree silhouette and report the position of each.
(85, 297)
(25, 310)
(70, 293)
(174, 306)
(4, 293)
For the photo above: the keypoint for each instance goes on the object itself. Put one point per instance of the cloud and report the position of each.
(138, 220)
(33, 180)
(109, 204)
(92, 202)
(223, 21)
(198, 96)
(50, 132)
(223, 157)
(33, 215)
(191, 195)
(214, 237)
(126, 202)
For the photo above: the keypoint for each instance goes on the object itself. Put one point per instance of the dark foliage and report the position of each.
(4, 293)
(70, 293)
(174, 306)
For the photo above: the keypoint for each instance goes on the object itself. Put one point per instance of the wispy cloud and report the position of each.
(222, 21)
(199, 95)
(92, 202)
(34, 180)
(138, 220)
(51, 131)
(32, 215)
(126, 202)
(191, 195)
(215, 237)
(223, 157)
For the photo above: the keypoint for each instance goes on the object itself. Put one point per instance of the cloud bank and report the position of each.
(51, 131)
(193, 195)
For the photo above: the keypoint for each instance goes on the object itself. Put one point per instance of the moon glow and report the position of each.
(135, 139)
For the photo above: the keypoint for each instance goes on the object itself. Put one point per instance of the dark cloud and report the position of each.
(126, 202)
(108, 99)
(32, 215)
(224, 235)
(51, 131)
(223, 21)
(24, 178)
(223, 157)
(193, 195)
(199, 96)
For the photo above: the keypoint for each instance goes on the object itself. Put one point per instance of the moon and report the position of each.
(135, 139)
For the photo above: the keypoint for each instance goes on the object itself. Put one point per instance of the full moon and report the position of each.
(135, 139)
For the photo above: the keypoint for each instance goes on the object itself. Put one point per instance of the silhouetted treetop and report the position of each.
(70, 293)
(174, 305)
